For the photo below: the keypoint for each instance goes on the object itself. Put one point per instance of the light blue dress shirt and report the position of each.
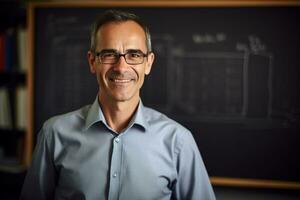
(78, 156)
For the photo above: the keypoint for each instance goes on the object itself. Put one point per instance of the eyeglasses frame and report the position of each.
(98, 54)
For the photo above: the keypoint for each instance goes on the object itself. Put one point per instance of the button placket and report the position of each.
(115, 169)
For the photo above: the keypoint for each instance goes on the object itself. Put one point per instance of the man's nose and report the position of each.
(121, 64)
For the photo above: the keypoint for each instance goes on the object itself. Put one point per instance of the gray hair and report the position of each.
(117, 16)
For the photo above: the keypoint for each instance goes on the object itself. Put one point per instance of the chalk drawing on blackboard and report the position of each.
(208, 38)
(258, 66)
(67, 57)
(223, 85)
(211, 85)
(162, 72)
(256, 46)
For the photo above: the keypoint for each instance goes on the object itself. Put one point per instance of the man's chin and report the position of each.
(121, 98)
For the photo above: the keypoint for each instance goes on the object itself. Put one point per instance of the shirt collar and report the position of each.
(139, 117)
(95, 115)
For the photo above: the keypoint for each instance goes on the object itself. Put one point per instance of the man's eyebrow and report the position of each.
(134, 50)
(108, 51)
(115, 51)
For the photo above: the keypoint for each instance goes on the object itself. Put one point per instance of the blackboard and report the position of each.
(230, 74)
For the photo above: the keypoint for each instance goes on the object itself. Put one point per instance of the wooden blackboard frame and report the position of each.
(217, 181)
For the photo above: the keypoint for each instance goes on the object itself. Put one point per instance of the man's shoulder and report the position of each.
(157, 118)
(67, 120)
(167, 128)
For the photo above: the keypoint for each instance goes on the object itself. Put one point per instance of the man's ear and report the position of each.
(92, 61)
(150, 60)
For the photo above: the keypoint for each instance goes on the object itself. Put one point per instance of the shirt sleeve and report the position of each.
(41, 177)
(192, 182)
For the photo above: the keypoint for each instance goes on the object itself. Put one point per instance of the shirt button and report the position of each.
(117, 140)
(115, 175)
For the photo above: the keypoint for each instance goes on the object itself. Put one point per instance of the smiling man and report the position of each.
(120, 61)
(117, 148)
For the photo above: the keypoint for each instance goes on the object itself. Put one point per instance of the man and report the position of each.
(116, 148)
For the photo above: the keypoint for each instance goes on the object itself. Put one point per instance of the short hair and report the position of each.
(117, 16)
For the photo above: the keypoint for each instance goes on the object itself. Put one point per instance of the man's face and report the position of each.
(120, 81)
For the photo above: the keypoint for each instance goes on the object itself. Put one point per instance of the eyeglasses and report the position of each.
(132, 57)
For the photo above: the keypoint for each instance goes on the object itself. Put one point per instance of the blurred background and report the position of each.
(228, 72)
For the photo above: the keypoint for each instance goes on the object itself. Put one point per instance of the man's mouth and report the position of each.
(120, 80)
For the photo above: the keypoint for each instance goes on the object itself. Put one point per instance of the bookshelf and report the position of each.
(13, 87)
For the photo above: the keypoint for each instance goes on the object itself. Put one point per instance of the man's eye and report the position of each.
(135, 55)
(108, 55)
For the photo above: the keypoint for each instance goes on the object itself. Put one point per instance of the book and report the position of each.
(10, 48)
(22, 49)
(21, 107)
(5, 110)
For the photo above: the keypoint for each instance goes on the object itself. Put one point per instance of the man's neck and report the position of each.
(118, 114)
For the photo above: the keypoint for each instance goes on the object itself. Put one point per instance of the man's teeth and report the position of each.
(121, 80)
